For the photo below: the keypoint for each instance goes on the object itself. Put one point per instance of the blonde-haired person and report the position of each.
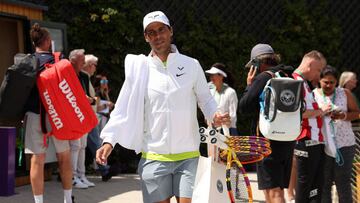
(309, 148)
(349, 81)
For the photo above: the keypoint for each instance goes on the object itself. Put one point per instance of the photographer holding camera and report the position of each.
(273, 171)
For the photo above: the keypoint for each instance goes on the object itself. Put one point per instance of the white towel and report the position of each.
(125, 125)
(329, 137)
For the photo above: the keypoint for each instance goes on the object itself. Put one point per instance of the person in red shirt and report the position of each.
(309, 149)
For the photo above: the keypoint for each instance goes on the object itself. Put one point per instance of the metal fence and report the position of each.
(355, 181)
(255, 17)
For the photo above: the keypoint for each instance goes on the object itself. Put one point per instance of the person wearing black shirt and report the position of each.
(273, 171)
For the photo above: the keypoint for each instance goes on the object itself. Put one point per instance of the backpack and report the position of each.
(65, 101)
(281, 108)
(16, 87)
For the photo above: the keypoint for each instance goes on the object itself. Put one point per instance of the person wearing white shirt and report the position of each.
(155, 114)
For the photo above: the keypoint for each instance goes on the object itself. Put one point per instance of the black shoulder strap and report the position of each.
(270, 73)
(42, 118)
(280, 72)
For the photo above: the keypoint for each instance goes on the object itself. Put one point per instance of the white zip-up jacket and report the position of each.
(169, 120)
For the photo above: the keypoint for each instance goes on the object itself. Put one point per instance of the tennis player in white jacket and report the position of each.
(155, 114)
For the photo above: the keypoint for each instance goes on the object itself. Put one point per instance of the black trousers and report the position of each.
(341, 175)
(310, 170)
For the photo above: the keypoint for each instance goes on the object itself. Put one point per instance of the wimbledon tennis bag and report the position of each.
(15, 89)
(64, 99)
(280, 108)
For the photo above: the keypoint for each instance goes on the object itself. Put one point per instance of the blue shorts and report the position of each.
(161, 180)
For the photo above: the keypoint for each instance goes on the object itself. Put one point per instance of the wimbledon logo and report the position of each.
(287, 97)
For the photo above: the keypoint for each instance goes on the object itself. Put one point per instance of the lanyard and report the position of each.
(332, 99)
(338, 156)
(300, 73)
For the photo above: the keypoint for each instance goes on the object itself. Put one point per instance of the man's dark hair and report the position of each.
(38, 35)
(269, 59)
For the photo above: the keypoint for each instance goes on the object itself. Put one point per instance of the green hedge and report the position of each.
(111, 29)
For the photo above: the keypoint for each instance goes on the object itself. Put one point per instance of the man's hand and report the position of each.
(103, 153)
(90, 99)
(111, 105)
(221, 119)
(251, 75)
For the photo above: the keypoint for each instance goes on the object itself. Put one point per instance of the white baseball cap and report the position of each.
(155, 16)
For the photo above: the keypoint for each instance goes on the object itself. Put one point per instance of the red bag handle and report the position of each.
(56, 59)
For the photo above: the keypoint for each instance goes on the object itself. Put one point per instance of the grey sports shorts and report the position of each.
(161, 180)
(34, 138)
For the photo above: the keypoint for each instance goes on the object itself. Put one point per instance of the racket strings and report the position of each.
(239, 186)
(244, 158)
(248, 149)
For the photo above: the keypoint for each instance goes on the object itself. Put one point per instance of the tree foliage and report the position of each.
(111, 29)
(306, 27)
(107, 29)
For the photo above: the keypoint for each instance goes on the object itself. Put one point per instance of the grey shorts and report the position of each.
(34, 138)
(161, 180)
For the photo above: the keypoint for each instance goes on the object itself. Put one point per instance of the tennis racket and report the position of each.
(237, 181)
(249, 149)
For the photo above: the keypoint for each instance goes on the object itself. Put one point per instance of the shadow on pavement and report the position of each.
(124, 188)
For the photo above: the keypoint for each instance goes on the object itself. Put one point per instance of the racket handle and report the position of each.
(221, 137)
(222, 144)
(226, 130)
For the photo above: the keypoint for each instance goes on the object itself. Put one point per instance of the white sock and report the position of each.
(38, 198)
(67, 196)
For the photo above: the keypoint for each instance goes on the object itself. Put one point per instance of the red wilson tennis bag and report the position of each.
(64, 99)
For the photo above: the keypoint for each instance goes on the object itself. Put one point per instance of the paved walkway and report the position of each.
(124, 188)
